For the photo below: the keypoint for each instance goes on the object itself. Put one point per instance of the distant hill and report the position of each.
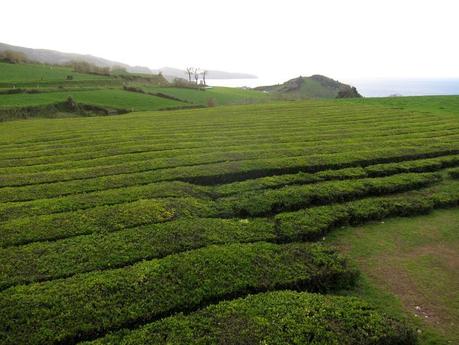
(54, 57)
(316, 86)
(211, 74)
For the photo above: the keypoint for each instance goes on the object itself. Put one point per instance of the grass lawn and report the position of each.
(410, 264)
(39, 73)
(113, 98)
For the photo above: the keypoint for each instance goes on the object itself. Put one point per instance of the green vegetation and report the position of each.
(67, 257)
(20, 74)
(175, 283)
(35, 90)
(108, 249)
(425, 104)
(261, 319)
(415, 260)
(314, 223)
(217, 95)
(316, 86)
(454, 173)
(110, 98)
(121, 229)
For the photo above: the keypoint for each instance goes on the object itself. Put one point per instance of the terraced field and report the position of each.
(112, 98)
(37, 73)
(34, 90)
(205, 226)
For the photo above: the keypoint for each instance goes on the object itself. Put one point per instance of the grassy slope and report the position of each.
(415, 260)
(38, 73)
(49, 78)
(107, 98)
(309, 88)
(220, 95)
(313, 89)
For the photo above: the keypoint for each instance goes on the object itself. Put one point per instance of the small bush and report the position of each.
(454, 173)
(211, 102)
(11, 56)
(86, 67)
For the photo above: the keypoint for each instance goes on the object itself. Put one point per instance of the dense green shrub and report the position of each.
(76, 201)
(313, 223)
(91, 304)
(67, 257)
(210, 169)
(265, 183)
(423, 165)
(126, 215)
(268, 202)
(80, 201)
(454, 173)
(198, 142)
(99, 219)
(86, 67)
(281, 318)
(11, 56)
(78, 254)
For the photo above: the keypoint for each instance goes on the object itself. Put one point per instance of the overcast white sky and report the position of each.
(343, 39)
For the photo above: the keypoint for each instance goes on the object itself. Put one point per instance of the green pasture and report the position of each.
(111, 98)
(215, 95)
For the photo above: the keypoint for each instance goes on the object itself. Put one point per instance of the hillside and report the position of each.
(214, 225)
(211, 74)
(40, 90)
(316, 86)
(53, 57)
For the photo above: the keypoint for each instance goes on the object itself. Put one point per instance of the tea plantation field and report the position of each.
(207, 226)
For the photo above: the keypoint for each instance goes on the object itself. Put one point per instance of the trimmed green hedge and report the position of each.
(81, 201)
(67, 257)
(89, 305)
(454, 173)
(78, 254)
(269, 202)
(142, 212)
(423, 165)
(218, 168)
(69, 148)
(186, 154)
(280, 318)
(313, 223)
(99, 219)
(225, 172)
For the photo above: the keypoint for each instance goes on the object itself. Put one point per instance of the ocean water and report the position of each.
(407, 87)
(368, 87)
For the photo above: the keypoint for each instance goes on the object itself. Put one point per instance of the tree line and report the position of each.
(196, 73)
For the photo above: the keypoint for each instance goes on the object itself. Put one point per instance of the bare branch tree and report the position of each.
(204, 73)
(196, 75)
(189, 71)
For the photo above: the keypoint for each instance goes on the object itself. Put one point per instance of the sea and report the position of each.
(368, 87)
